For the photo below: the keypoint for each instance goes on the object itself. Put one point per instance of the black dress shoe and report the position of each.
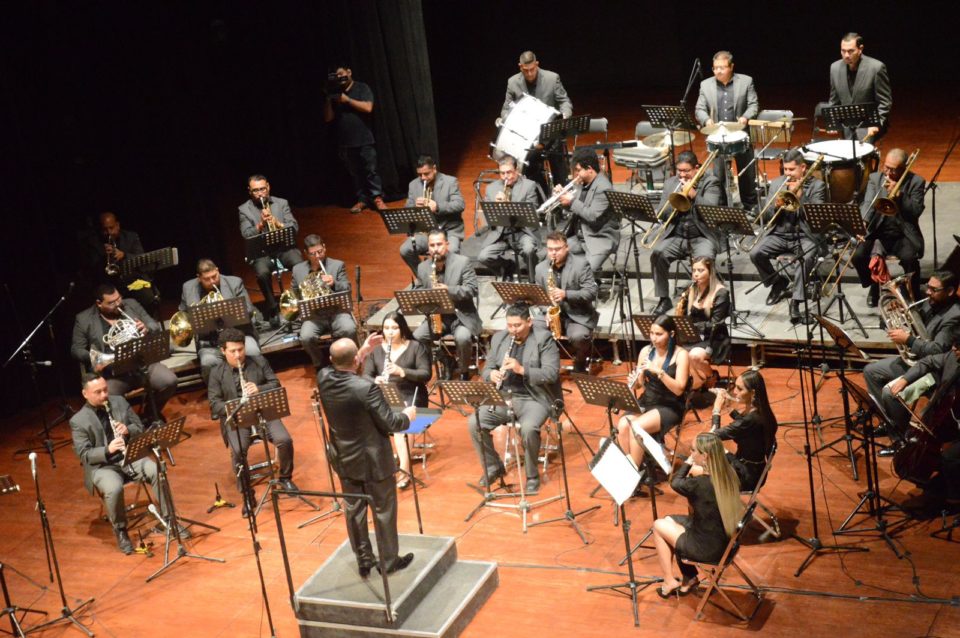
(494, 477)
(123, 541)
(533, 485)
(289, 485)
(364, 568)
(776, 291)
(795, 315)
(402, 563)
(663, 307)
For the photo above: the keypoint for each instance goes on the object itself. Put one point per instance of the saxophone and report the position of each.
(681, 308)
(436, 320)
(553, 312)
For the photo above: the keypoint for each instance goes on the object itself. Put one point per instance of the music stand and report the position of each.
(211, 317)
(270, 243)
(851, 117)
(616, 395)
(672, 118)
(634, 208)
(325, 305)
(512, 217)
(150, 262)
(137, 355)
(408, 221)
(515, 292)
(730, 221)
(823, 218)
(563, 127)
(686, 332)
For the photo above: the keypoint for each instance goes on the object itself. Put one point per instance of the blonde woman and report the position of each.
(707, 303)
(712, 489)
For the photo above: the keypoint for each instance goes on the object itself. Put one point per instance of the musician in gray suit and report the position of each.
(360, 424)
(575, 291)
(897, 234)
(455, 274)
(257, 215)
(208, 280)
(730, 97)
(524, 361)
(940, 314)
(512, 187)
(441, 194)
(687, 235)
(332, 274)
(593, 228)
(92, 324)
(857, 79)
(100, 446)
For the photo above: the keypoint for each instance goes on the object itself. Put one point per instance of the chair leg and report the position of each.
(773, 527)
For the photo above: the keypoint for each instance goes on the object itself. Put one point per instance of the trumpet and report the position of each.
(553, 202)
(181, 332)
(112, 269)
(553, 312)
(679, 200)
(785, 198)
(427, 191)
(271, 222)
(887, 205)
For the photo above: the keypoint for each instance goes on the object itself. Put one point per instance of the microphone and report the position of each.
(153, 510)
(33, 464)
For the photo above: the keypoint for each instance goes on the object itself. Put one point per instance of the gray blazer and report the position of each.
(524, 190)
(88, 330)
(911, 207)
(221, 387)
(745, 103)
(942, 327)
(461, 281)
(230, 287)
(708, 194)
(597, 221)
(450, 204)
(814, 192)
(549, 90)
(90, 440)
(334, 268)
(541, 364)
(250, 215)
(872, 85)
(577, 280)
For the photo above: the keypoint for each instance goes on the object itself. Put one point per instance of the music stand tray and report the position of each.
(515, 292)
(408, 221)
(823, 218)
(851, 115)
(150, 262)
(163, 436)
(843, 340)
(140, 353)
(514, 215)
(673, 118)
(270, 243)
(632, 206)
(325, 305)
(428, 301)
(732, 221)
(210, 317)
(562, 127)
(268, 405)
(686, 332)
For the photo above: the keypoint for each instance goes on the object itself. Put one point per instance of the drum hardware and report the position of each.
(181, 332)
(710, 129)
(519, 132)
(887, 205)
(728, 142)
(846, 167)
(680, 200)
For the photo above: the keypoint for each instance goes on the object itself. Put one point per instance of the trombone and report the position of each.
(837, 272)
(887, 205)
(786, 198)
(679, 200)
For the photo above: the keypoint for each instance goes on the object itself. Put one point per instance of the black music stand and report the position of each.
(730, 221)
(512, 217)
(849, 118)
(616, 395)
(270, 243)
(823, 218)
(148, 264)
(562, 128)
(137, 355)
(408, 221)
(325, 305)
(426, 302)
(212, 317)
(672, 118)
(395, 400)
(634, 208)
(515, 292)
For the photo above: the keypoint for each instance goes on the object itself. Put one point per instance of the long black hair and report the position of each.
(401, 322)
(668, 323)
(753, 381)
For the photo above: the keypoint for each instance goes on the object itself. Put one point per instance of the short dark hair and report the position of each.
(793, 155)
(256, 177)
(205, 265)
(87, 378)
(556, 235)
(527, 57)
(521, 310)
(688, 157)
(586, 158)
(853, 35)
(426, 160)
(312, 240)
(436, 231)
(726, 55)
(947, 278)
(103, 290)
(230, 335)
(507, 159)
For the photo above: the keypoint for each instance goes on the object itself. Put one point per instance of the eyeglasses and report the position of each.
(935, 290)
(262, 189)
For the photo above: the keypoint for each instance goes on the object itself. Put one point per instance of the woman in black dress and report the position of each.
(754, 427)
(662, 372)
(707, 303)
(712, 489)
(402, 360)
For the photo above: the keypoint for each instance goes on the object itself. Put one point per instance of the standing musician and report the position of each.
(111, 312)
(332, 275)
(104, 252)
(754, 426)
(593, 228)
(511, 187)
(687, 235)
(237, 376)
(456, 275)
(662, 373)
(730, 97)
(857, 79)
(209, 280)
(707, 303)
(402, 360)
(259, 214)
(524, 363)
(570, 285)
(898, 234)
(100, 430)
(441, 194)
(782, 237)
(940, 314)
(360, 424)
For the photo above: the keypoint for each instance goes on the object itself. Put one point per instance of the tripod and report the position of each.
(335, 507)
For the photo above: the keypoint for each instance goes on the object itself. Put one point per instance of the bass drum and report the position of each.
(841, 163)
(520, 132)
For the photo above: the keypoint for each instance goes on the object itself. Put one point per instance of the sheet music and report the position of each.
(615, 471)
(653, 448)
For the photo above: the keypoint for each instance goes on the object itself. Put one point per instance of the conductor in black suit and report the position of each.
(361, 423)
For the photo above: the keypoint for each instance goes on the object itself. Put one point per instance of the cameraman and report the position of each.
(349, 104)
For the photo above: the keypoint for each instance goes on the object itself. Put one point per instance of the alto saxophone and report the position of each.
(553, 312)
(436, 320)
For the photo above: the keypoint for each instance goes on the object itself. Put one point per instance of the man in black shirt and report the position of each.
(104, 254)
(351, 110)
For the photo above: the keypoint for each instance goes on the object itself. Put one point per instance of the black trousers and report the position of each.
(361, 163)
(384, 495)
(238, 440)
(897, 245)
(263, 267)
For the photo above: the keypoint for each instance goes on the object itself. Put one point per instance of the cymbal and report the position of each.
(732, 127)
(661, 139)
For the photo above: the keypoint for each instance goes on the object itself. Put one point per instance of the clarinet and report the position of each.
(509, 355)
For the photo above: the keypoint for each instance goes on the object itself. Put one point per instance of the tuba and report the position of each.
(897, 313)
(181, 332)
(311, 287)
(553, 312)
(123, 330)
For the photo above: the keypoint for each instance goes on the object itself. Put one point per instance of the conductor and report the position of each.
(361, 423)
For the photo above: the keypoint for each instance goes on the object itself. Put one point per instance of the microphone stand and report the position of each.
(66, 613)
(932, 186)
(696, 70)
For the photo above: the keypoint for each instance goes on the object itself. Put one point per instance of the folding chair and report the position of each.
(773, 527)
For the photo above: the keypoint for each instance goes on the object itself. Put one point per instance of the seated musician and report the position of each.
(454, 273)
(754, 427)
(524, 362)
(707, 303)
(262, 213)
(511, 187)
(897, 234)
(325, 275)
(209, 280)
(238, 375)
(686, 235)
(441, 194)
(593, 228)
(402, 360)
(570, 284)
(781, 239)
(100, 431)
(940, 314)
(938, 415)
(105, 252)
(121, 320)
(662, 372)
